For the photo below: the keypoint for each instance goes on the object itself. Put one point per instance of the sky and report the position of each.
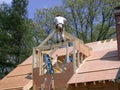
(6, 1)
(37, 4)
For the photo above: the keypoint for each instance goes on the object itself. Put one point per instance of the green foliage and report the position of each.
(89, 20)
(16, 35)
(5, 39)
(87, 15)
(19, 30)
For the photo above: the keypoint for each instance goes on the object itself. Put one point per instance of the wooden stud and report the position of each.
(42, 69)
(103, 81)
(36, 57)
(34, 87)
(39, 56)
(99, 81)
(28, 85)
(71, 37)
(82, 57)
(74, 57)
(78, 58)
(85, 84)
(40, 63)
(113, 80)
(76, 85)
(94, 82)
(67, 53)
(33, 60)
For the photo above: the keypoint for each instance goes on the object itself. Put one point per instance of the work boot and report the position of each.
(62, 40)
(57, 41)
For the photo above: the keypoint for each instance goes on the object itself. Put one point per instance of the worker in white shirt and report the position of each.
(59, 23)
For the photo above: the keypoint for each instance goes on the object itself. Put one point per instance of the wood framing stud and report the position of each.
(85, 84)
(104, 81)
(76, 85)
(74, 57)
(94, 82)
(78, 58)
(67, 54)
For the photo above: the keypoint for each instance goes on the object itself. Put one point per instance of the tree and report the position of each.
(20, 31)
(87, 15)
(88, 20)
(5, 38)
(107, 19)
(16, 35)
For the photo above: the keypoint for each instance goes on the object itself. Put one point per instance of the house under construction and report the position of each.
(69, 65)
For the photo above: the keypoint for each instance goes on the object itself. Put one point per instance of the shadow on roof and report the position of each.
(118, 75)
(111, 55)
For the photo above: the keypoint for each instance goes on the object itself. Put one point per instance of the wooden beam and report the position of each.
(67, 53)
(28, 85)
(59, 45)
(74, 58)
(39, 56)
(104, 81)
(40, 62)
(69, 36)
(42, 69)
(33, 60)
(50, 35)
(76, 85)
(94, 82)
(35, 87)
(52, 51)
(113, 80)
(82, 57)
(85, 83)
(80, 44)
(78, 58)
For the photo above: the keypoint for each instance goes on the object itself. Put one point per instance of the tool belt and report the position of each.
(60, 25)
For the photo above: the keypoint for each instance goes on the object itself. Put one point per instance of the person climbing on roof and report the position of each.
(59, 23)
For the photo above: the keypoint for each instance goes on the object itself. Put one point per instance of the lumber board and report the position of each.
(50, 35)
(49, 47)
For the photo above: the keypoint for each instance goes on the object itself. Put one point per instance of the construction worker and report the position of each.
(59, 23)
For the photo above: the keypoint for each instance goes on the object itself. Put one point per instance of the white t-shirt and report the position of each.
(59, 19)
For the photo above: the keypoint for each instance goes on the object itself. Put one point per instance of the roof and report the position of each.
(102, 64)
(62, 52)
(20, 77)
